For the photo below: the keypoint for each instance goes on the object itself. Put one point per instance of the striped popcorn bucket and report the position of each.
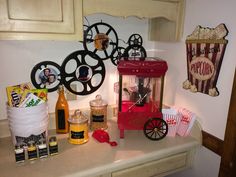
(187, 119)
(172, 118)
(204, 59)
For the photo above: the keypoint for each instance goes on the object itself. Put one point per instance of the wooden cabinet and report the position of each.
(41, 19)
(63, 19)
(166, 16)
(168, 29)
(160, 167)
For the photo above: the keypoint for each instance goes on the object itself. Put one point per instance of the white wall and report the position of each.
(18, 58)
(212, 111)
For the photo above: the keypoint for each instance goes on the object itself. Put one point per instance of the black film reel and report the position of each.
(46, 74)
(135, 39)
(117, 54)
(83, 69)
(103, 41)
(135, 52)
(88, 34)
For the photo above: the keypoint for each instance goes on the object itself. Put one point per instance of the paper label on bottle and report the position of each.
(77, 135)
(61, 119)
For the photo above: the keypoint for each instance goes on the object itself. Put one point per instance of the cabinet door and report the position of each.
(125, 8)
(159, 167)
(45, 17)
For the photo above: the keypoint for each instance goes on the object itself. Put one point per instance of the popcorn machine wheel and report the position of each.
(141, 86)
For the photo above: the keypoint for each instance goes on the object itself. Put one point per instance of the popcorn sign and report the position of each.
(205, 50)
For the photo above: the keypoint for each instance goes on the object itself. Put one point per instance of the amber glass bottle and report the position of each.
(62, 112)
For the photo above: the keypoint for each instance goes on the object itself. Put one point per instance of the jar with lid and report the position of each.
(53, 145)
(42, 148)
(19, 153)
(78, 128)
(32, 150)
(98, 113)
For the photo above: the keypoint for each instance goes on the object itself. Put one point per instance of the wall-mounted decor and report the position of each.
(46, 74)
(83, 71)
(205, 50)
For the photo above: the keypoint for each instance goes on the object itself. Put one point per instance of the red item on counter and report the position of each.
(103, 137)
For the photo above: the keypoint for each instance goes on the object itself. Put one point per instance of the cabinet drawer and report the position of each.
(154, 167)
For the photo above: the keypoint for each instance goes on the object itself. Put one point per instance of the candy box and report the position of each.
(14, 93)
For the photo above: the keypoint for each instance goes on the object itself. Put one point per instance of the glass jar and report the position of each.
(53, 145)
(98, 113)
(78, 128)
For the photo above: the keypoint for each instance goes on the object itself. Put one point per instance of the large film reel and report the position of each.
(103, 41)
(85, 70)
(46, 74)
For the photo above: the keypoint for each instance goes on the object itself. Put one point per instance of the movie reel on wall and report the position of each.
(135, 39)
(117, 54)
(103, 41)
(85, 70)
(46, 74)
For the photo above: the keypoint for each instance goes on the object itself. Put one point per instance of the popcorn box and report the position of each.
(187, 120)
(172, 118)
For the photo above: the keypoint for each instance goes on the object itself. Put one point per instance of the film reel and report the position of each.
(103, 41)
(46, 74)
(135, 39)
(85, 70)
(117, 54)
(135, 52)
(88, 34)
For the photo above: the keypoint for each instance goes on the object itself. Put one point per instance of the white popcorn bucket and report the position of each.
(172, 118)
(186, 122)
(29, 123)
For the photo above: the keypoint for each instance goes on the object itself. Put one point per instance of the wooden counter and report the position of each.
(135, 154)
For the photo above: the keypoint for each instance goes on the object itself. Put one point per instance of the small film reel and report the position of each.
(46, 74)
(117, 54)
(135, 39)
(101, 39)
(85, 70)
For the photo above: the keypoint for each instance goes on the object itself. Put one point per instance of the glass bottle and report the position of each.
(62, 112)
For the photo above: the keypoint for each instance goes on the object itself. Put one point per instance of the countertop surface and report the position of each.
(93, 158)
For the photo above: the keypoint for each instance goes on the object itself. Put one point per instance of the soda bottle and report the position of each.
(62, 112)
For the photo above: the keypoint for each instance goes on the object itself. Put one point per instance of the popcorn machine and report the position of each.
(141, 86)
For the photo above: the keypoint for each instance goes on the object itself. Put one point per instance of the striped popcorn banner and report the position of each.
(204, 59)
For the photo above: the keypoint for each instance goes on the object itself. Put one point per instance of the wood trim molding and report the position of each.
(228, 158)
(213, 143)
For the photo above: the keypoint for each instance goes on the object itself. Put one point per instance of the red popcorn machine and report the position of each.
(141, 86)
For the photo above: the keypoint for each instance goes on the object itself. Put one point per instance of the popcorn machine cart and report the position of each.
(141, 86)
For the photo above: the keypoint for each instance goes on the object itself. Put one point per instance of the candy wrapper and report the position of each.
(172, 118)
(14, 93)
(41, 93)
(186, 122)
(31, 100)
